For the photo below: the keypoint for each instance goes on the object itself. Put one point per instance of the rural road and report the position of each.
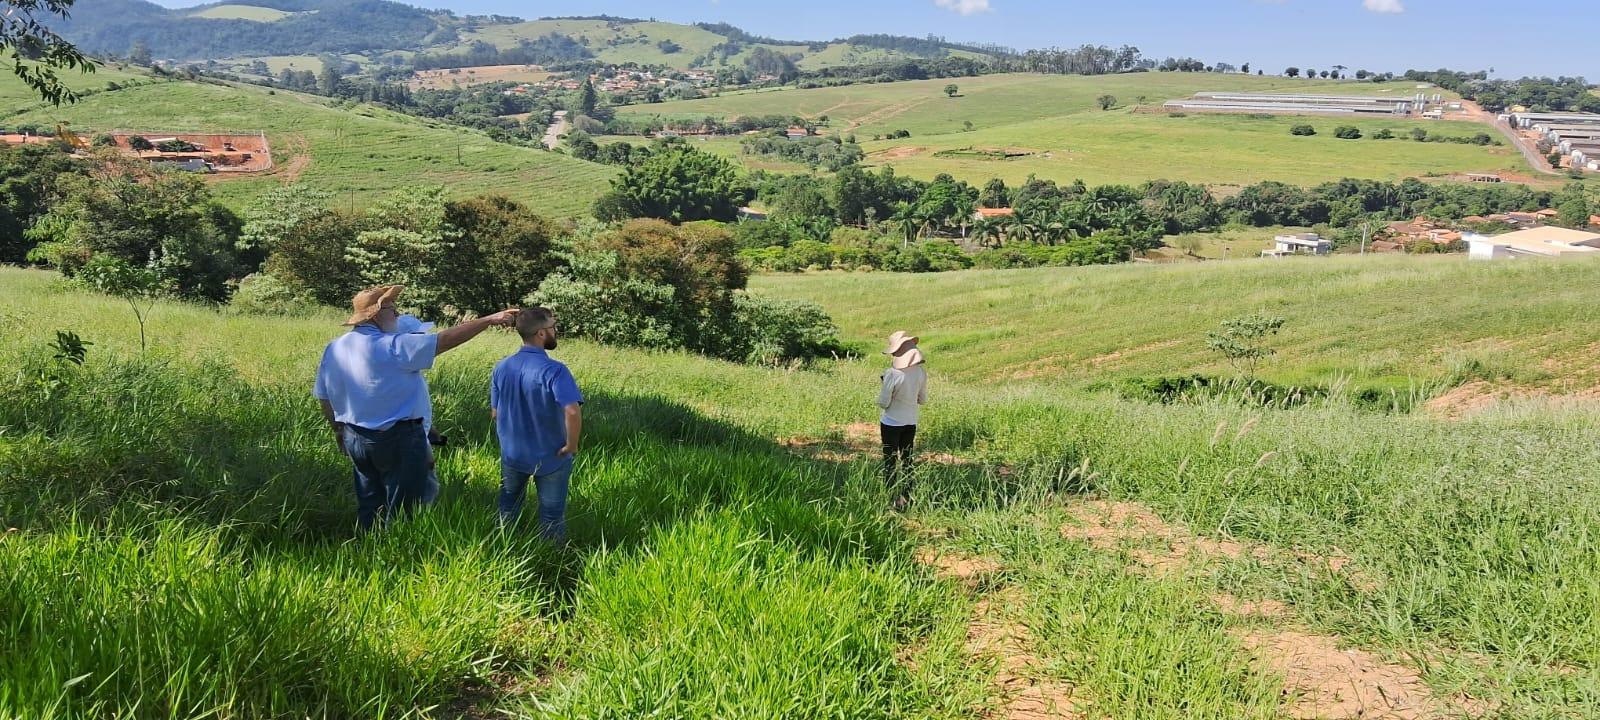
(1535, 160)
(558, 125)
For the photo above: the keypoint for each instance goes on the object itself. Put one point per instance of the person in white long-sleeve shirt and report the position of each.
(904, 391)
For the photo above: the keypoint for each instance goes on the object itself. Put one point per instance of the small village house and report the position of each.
(1299, 244)
(1549, 242)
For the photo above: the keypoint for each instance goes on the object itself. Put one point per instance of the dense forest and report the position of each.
(111, 27)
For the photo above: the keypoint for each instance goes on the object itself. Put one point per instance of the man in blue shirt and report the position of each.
(538, 415)
(372, 393)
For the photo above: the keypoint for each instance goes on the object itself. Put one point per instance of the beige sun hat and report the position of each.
(908, 359)
(899, 341)
(366, 303)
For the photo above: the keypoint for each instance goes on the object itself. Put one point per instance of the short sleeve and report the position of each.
(564, 387)
(319, 389)
(413, 351)
(494, 385)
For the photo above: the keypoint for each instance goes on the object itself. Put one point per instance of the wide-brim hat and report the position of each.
(907, 359)
(366, 303)
(899, 340)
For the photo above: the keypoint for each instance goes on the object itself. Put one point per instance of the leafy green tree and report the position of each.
(1419, 134)
(304, 240)
(586, 100)
(148, 218)
(138, 143)
(1292, 71)
(36, 52)
(139, 54)
(1572, 206)
(681, 184)
(994, 194)
(503, 251)
(1242, 341)
(28, 178)
(951, 90)
(1106, 102)
(138, 286)
(407, 242)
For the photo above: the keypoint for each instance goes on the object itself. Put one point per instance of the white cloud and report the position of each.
(965, 7)
(1384, 6)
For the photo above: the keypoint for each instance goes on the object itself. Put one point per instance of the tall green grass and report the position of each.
(717, 575)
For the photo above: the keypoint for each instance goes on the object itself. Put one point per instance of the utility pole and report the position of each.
(1365, 229)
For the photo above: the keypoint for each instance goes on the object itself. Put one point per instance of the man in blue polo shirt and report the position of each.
(538, 415)
(372, 393)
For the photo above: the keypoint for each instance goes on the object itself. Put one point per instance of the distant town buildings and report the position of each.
(1548, 242)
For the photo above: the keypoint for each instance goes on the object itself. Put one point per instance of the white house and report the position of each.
(1534, 242)
(1299, 244)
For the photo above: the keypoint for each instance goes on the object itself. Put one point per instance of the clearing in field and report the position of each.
(244, 12)
(220, 152)
(478, 75)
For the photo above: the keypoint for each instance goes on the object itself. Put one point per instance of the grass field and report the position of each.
(182, 544)
(356, 151)
(1056, 120)
(467, 77)
(242, 12)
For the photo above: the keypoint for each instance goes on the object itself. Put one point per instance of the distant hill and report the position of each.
(264, 28)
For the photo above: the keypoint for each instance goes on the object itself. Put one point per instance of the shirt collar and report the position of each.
(367, 329)
(534, 350)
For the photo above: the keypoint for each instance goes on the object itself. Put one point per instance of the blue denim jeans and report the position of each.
(391, 469)
(550, 481)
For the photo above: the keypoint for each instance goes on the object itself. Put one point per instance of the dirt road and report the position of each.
(558, 126)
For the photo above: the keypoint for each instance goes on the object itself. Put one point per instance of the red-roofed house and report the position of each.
(982, 213)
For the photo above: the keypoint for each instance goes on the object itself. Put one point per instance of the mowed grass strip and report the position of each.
(358, 152)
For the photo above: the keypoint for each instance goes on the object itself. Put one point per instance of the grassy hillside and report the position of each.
(1057, 119)
(213, 509)
(358, 152)
(1379, 319)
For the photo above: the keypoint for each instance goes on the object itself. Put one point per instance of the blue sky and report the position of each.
(1512, 38)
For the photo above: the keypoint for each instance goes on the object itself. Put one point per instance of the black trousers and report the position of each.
(897, 463)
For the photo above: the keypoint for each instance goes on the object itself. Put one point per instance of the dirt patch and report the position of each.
(1462, 400)
(1324, 682)
(899, 153)
(222, 152)
(1237, 607)
(992, 637)
(969, 570)
(1163, 547)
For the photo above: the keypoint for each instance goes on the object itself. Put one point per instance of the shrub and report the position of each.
(1302, 130)
(264, 294)
(1347, 132)
(777, 331)
(1383, 134)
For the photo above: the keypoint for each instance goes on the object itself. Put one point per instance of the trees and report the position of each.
(123, 210)
(304, 241)
(36, 52)
(586, 99)
(29, 175)
(138, 143)
(1241, 341)
(1106, 102)
(994, 194)
(1292, 71)
(951, 90)
(503, 250)
(680, 184)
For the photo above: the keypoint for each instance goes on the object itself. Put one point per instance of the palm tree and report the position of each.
(989, 232)
(906, 221)
(1018, 227)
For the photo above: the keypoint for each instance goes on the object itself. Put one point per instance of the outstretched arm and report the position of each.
(455, 335)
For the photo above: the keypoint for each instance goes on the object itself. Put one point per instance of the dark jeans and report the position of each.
(391, 469)
(897, 463)
(550, 481)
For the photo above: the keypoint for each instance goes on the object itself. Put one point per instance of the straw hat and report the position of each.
(898, 341)
(907, 359)
(367, 302)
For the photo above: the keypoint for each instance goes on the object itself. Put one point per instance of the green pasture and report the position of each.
(241, 12)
